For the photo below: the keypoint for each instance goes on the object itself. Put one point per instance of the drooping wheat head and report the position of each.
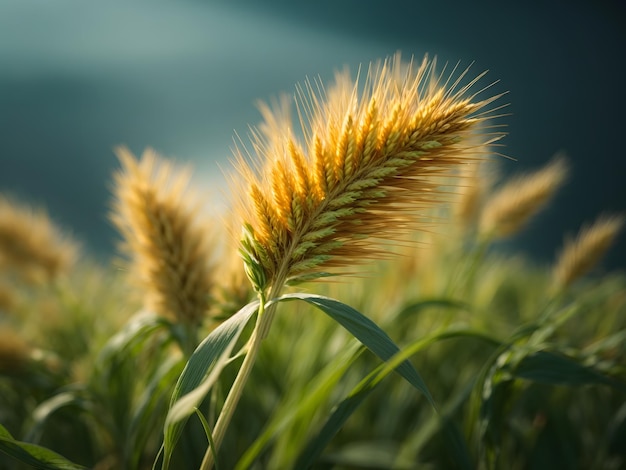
(171, 254)
(583, 253)
(511, 207)
(372, 159)
(31, 245)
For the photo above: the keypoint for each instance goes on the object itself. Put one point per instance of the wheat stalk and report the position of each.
(583, 253)
(373, 159)
(510, 208)
(154, 211)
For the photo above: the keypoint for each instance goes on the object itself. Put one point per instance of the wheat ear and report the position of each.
(583, 253)
(510, 208)
(372, 160)
(31, 245)
(170, 253)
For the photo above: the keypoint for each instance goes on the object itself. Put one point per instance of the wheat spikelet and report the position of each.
(153, 211)
(580, 255)
(373, 157)
(512, 206)
(30, 244)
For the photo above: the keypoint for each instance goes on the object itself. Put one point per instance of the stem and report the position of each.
(232, 399)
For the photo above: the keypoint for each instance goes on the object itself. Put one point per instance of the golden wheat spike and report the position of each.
(510, 208)
(582, 254)
(170, 252)
(377, 153)
(30, 244)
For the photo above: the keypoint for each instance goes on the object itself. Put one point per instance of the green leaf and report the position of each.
(337, 419)
(34, 455)
(151, 407)
(209, 436)
(359, 393)
(200, 373)
(366, 331)
(116, 378)
(45, 409)
(131, 338)
(305, 407)
(552, 368)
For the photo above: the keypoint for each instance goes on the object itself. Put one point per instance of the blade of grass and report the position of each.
(200, 373)
(317, 391)
(366, 331)
(209, 436)
(34, 455)
(366, 386)
(151, 406)
(50, 406)
(552, 368)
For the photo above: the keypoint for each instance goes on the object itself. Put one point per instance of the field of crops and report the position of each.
(356, 309)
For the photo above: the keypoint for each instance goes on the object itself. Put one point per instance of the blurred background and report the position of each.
(78, 78)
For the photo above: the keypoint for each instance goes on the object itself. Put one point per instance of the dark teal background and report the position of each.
(77, 78)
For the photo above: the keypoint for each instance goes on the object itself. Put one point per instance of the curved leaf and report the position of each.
(34, 455)
(359, 393)
(50, 406)
(548, 367)
(200, 373)
(366, 331)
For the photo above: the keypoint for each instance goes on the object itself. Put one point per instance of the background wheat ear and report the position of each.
(514, 204)
(31, 245)
(170, 252)
(373, 158)
(580, 255)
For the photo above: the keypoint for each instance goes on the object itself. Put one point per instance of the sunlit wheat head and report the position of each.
(368, 158)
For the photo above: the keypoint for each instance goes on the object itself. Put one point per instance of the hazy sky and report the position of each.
(78, 78)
